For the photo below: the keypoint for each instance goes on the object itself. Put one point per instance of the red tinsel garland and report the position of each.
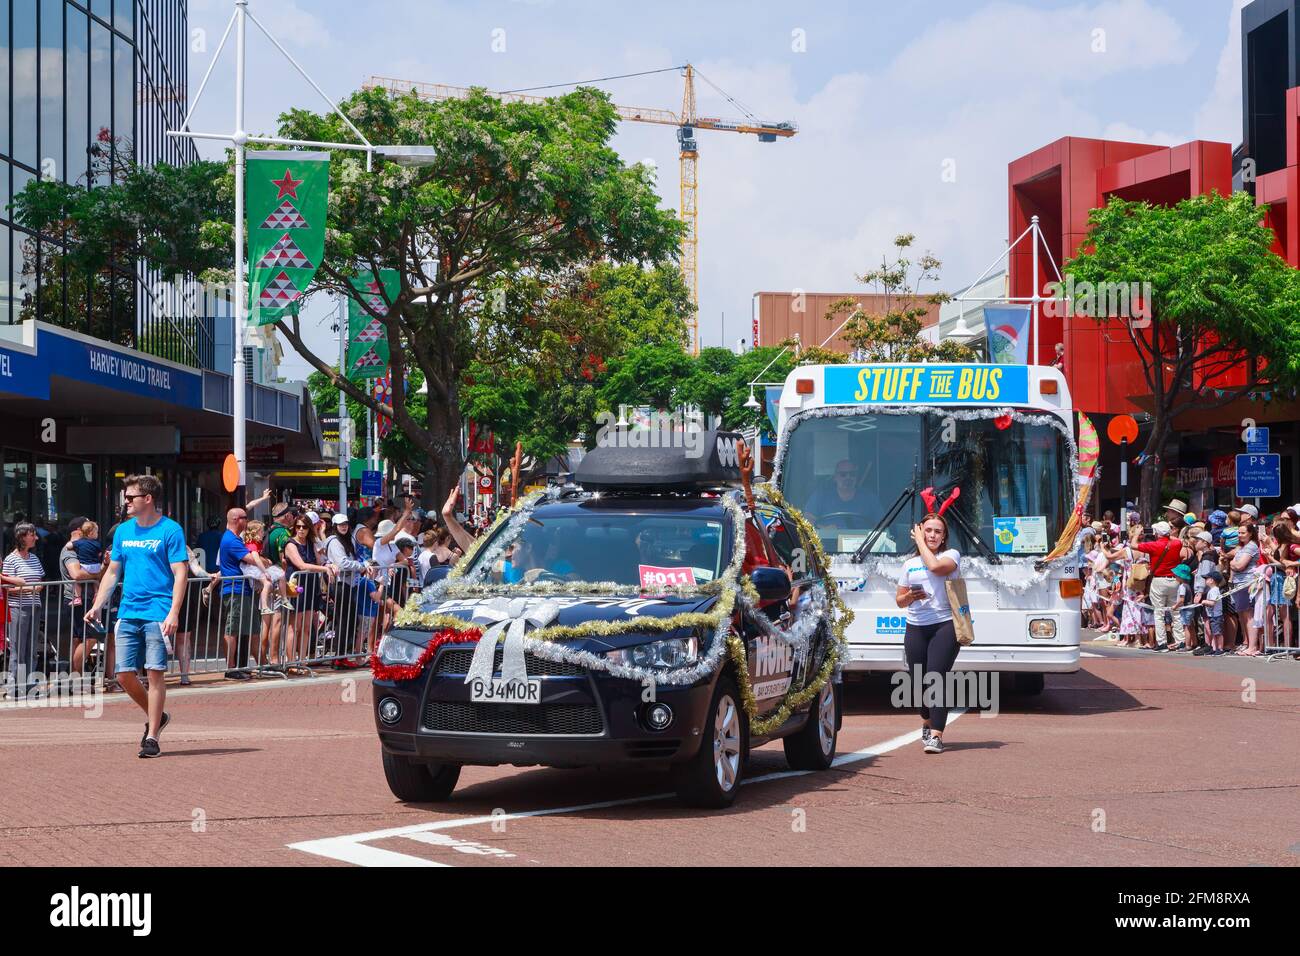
(384, 671)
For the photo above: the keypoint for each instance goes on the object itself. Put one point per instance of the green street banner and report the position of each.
(286, 193)
(367, 337)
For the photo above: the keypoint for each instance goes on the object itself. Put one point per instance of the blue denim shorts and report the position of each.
(136, 641)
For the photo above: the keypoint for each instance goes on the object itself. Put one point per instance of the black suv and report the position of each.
(654, 548)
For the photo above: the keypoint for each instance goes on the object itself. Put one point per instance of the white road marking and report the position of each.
(352, 848)
(1090, 654)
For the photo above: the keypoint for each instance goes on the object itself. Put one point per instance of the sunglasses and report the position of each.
(131, 498)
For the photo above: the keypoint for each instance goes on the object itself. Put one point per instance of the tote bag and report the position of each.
(962, 624)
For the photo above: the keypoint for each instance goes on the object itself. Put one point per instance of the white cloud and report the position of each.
(1220, 117)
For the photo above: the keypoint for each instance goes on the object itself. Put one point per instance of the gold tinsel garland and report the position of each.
(793, 699)
(840, 614)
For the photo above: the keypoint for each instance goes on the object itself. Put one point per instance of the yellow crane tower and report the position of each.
(687, 122)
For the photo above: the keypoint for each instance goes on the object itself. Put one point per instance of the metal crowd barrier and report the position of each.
(234, 626)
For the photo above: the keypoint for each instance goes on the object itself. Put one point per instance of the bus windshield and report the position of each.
(847, 472)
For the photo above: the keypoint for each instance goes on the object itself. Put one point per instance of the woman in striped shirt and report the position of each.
(22, 569)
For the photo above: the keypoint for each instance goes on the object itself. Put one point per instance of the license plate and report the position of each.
(497, 691)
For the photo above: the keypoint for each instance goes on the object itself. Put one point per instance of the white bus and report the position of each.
(857, 444)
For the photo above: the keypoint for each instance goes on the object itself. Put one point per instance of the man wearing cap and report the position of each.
(74, 596)
(1165, 554)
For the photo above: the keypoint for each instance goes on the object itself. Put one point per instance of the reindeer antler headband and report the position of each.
(928, 497)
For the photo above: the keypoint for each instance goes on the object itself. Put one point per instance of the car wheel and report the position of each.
(419, 782)
(1030, 685)
(812, 747)
(712, 777)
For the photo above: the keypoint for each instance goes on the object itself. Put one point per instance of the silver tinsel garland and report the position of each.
(472, 585)
(961, 415)
(1019, 577)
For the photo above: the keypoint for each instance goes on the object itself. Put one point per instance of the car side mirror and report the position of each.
(436, 574)
(772, 584)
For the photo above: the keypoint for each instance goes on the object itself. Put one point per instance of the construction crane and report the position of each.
(687, 122)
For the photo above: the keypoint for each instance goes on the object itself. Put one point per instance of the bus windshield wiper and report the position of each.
(904, 497)
(979, 543)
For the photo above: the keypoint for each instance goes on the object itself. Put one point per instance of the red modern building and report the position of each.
(1063, 181)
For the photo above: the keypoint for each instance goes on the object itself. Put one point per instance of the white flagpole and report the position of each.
(239, 385)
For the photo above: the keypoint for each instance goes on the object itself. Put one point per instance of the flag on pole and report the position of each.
(383, 392)
(367, 337)
(287, 193)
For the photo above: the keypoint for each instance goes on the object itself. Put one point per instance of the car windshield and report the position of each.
(847, 472)
(600, 546)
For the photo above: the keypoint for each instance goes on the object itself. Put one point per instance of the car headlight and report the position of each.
(394, 650)
(670, 653)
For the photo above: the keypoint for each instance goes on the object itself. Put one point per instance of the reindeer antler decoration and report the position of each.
(929, 497)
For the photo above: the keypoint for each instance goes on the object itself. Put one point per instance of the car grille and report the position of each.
(455, 660)
(469, 718)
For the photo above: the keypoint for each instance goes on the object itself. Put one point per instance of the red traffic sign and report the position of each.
(485, 484)
(1122, 428)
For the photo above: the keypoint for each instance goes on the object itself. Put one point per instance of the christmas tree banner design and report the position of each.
(287, 192)
(367, 338)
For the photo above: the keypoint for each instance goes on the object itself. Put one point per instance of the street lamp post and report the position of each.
(240, 138)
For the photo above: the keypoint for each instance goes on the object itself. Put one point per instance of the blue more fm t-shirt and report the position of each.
(146, 556)
(230, 561)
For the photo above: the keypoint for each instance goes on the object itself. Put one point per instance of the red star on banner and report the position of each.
(288, 185)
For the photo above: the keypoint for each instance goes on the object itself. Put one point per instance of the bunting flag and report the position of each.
(367, 337)
(287, 193)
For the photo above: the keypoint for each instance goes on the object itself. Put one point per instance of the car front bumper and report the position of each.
(584, 719)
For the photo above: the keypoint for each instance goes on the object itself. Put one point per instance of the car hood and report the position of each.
(579, 610)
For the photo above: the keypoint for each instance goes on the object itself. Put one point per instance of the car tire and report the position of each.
(711, 778)
(812, 746)
(1029, 685)
(417, 782)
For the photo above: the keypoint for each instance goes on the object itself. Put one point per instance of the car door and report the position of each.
(772, 663)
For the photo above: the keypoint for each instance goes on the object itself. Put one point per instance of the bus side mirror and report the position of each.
(772, 584)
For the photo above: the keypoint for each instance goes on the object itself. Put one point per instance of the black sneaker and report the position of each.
(1200, 651)
(167, 719)
(237, 675)
(149, 748)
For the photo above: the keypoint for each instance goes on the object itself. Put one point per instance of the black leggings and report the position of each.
(934, 647)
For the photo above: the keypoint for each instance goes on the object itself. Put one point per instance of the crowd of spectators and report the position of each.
(1222, 582)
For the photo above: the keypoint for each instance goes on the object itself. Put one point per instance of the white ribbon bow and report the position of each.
(513, 618)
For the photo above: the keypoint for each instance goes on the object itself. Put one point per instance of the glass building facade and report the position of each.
(88, 85)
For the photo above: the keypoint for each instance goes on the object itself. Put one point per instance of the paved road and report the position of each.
(1136, 759)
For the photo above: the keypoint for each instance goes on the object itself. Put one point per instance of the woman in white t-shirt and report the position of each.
(929, 643)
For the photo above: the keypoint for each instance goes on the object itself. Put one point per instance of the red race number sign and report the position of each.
(652, 577)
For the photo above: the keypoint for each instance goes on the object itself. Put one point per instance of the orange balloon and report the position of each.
(1122, 427)
(230, 473)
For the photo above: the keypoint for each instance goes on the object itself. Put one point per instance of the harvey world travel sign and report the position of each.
(926, 384)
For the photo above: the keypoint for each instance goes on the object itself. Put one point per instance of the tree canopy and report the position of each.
(1220, 301)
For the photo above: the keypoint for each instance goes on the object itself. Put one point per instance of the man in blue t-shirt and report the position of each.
(150, 559)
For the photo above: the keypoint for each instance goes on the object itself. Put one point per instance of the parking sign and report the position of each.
(1259, 476)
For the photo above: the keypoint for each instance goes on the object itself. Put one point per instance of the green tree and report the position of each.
(1218, 299)
(893, 334)
(541, 389)
(520, 195)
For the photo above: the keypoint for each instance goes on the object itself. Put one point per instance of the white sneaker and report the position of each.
(933, 745)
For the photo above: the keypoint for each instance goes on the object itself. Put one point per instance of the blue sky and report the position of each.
(887, 96)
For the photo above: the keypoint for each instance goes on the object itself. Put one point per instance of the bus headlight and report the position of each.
(1042, 628)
